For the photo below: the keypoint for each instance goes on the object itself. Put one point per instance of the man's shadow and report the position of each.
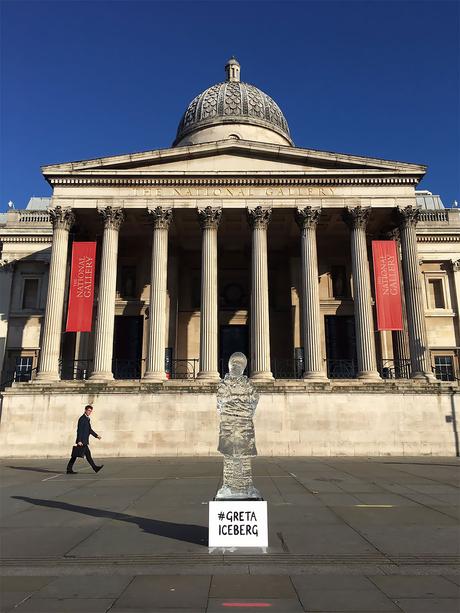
(189, 533)
(37, 470)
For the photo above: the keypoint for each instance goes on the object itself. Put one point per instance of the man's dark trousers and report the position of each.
(74, 456)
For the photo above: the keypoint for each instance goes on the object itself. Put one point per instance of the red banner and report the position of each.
(80, 311)
(387, 285)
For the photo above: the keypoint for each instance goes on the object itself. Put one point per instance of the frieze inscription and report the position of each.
(234, 192)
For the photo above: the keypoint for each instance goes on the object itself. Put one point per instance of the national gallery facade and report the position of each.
(233, 239)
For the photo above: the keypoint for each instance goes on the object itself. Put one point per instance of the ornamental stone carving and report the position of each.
(7, 265)
(456, 265)
(209, 217)
(259, 217)
(160, 217)
(356, 217)
(61, 218)
(113, 217)
(308, 217)
(408, 216)
(393, 235)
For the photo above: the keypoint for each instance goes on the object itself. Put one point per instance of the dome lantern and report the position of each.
(232, 68)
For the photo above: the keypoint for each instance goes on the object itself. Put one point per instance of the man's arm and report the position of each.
(91, 431)
(80, 434)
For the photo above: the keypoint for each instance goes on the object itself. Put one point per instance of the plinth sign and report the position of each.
(238, 514)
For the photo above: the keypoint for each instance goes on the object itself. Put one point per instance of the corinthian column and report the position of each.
(260, 324)
(155, 370)
(418, 344)
(209, 219)
(113, 218)
(356, 219)
(62, 220)
(307, 219)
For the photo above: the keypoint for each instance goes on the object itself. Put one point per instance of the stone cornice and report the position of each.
(437, 238)
(231, 181)
(27, 239)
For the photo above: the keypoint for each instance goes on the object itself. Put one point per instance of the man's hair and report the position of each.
(89, 406)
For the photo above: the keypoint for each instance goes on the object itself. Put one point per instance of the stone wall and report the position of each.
(177, 420)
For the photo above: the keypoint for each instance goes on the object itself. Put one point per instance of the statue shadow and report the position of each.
(189, 533)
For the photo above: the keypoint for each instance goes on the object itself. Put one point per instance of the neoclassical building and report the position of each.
(233, 239)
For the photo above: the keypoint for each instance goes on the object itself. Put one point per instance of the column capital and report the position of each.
(113, 217)
(160, 217)
(307, 217)
(456, 265)
(356, 217)
(259, 217)
(209, 217)
(407, 216)
(61, 218)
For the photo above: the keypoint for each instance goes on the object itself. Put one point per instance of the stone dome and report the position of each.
(237, 106)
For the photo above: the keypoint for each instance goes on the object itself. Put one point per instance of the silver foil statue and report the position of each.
(236, 404)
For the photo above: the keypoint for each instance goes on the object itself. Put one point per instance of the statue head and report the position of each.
(237, 364)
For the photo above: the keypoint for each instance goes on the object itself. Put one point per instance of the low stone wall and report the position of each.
(173, 419)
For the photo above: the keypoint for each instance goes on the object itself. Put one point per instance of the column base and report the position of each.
(208, 375)
(101, 377)
(47, 377)
(425, 376)
(315, 376)
(155, 376)
(370, 375)
(264, 375)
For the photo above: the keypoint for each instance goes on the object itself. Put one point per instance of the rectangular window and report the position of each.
(30, 294)
(339, 282)
(444, 367)
(436, 294)
(23, 370)
(127, 286)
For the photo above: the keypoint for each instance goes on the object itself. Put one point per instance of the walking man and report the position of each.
(82, 443)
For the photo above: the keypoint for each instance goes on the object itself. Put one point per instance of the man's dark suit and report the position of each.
(83, 431)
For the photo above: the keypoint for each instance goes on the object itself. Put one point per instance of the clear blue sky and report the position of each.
(89, 79)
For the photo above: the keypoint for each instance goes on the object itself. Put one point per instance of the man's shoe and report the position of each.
(98, 468)
(71, 472)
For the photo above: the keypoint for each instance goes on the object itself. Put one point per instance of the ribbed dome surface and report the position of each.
(232, 102)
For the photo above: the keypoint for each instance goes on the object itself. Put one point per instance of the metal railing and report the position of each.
(288, 368)
(341, 369)
(187, 369)
(395, 369)
(183, 369)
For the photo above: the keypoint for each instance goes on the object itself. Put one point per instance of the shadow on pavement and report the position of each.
(37, 470)
(190, 533)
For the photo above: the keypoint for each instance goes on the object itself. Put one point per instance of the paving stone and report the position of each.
(354, 601)
(332, 582)
(90, 586)
(274, 605)
(65, 605)
(249, 586)
(32, 542)
(429, 605)
(165, 591)
(23, 584)
(9, 600)
(413, 587)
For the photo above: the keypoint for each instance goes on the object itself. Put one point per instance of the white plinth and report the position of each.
(234, 523)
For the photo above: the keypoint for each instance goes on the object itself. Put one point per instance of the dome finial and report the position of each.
(232, 68)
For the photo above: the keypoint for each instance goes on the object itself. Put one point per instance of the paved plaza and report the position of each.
(345, 535)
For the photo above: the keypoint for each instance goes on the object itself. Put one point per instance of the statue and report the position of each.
(236, 404)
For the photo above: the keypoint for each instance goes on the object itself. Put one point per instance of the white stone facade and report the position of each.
(234, 244)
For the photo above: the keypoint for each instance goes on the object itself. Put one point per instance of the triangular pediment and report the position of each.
(233, 158)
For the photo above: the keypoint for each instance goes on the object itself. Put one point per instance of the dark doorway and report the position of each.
(340, 346)
(232, 338)
(127, 347)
